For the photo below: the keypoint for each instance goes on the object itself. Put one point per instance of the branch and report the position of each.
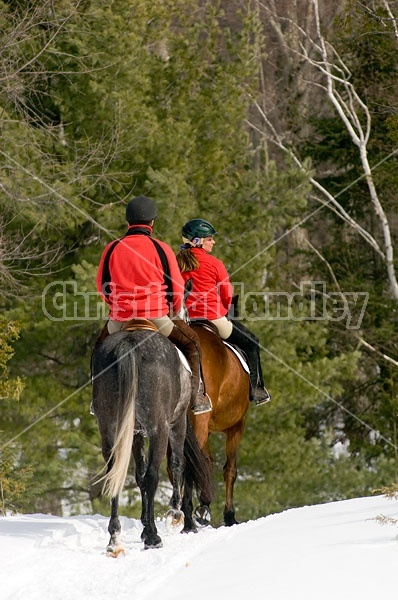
(359, 337)
(360, 138)
(392, 18)
(373, 349)
(331, 200)
(323, 259)
(352, 111)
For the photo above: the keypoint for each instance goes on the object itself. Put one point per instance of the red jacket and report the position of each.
(212, 291)
(136, 286)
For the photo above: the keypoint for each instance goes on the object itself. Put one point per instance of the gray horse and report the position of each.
(141, 390)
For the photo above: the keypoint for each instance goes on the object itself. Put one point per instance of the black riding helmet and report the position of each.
(140, 210)
(197, 228)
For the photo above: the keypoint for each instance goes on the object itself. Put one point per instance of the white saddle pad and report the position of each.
(184, 360)
(241, 359)
(234, 350)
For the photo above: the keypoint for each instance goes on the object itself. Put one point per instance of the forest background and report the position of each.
(275, 120)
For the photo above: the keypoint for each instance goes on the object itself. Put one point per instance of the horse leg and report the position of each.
(156, 452)
(197, 472)
(114, 547)
(203, 512)
(187, 505)
(140, 468)
(234, 436)
(143, 476)
(175, 517)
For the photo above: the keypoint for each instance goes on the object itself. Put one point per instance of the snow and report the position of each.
(329, 551)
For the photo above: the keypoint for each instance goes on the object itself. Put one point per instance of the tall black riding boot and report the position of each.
(186, 340)
(249, 344)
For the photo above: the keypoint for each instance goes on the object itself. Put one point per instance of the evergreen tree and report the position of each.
(154, 99)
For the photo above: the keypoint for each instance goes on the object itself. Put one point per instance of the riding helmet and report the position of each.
(197, 228)
(140, 210)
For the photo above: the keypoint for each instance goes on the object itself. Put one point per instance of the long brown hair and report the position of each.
(187, 261)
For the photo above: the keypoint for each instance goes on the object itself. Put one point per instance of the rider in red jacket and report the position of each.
(213, 291)
(137, 288)
(211, 297)
(138, 277)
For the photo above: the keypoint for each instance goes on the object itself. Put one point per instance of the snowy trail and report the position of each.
(326, 552)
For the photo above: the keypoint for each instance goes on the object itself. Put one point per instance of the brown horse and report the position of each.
(228, 386)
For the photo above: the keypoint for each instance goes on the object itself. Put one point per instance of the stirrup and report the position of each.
(260, 395)
(202, 404)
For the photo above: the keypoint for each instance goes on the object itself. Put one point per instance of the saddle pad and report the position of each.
(238, 354)
(183, 360)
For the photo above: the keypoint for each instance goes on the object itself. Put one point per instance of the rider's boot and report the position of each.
(186, 340)
(249, 344)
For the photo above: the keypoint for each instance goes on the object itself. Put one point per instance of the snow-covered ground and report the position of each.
(330, 551)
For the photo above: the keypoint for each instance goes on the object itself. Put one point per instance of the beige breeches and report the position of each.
(224, 327)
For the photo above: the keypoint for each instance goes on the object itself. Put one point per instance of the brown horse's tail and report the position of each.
(119, 460)
(198, 467)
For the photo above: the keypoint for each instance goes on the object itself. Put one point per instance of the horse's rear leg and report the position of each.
(175, 516)
(115, 546)
(140, 468)
(234, 436)
(146, 475)
(203, 512)
(149, 534)
(187, 505)
(156, 451)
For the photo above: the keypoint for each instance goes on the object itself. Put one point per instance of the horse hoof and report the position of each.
(153, 543)
(229, 519)
(189, 527)
(202, 515)
(114, 551)
(174, 520)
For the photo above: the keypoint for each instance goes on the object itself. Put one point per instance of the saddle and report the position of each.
(138, 324)
(141, 324)
(235, 349)
(206, 325)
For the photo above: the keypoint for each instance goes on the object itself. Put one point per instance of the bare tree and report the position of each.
(325, 69)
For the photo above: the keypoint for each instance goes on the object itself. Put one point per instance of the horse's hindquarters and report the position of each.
(137, 376)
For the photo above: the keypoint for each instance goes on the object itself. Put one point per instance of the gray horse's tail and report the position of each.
(119, 460)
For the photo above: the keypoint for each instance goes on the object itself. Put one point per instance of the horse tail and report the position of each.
(197, 466)
(125, 420)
